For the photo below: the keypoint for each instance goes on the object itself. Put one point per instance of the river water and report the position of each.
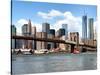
(30, 64)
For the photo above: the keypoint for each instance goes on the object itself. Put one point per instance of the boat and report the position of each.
(41, 51)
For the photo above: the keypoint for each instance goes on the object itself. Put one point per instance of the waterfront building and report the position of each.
(65, 26)
(13, 41)
(38, 43)
(50, 45)
(41, 44)
(59, 34)
(90, 27)
(27, 31)
(46, 28)
(51, 35)
(19, 44)
(84, 27)
(33, 31)
(44, 44)
(33, 35)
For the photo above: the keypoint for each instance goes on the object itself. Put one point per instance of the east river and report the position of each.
(30, 64)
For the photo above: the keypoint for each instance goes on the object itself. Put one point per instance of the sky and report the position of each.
(54, 13)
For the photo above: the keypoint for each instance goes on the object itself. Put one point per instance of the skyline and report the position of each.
(54, 13)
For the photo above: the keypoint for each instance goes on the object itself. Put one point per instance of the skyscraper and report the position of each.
(45, 27)
(27, 29)
(65, 26)
(61, 31)
(33, 35)
(84, 27)
(51, 35)
(91, 31)
(33, 31)
(52, 31)
(24, 30)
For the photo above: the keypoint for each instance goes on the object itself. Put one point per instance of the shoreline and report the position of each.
(56, 54)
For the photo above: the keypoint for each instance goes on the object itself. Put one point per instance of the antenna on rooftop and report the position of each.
(85, 13)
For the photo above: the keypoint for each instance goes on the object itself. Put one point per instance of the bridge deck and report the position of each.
(50, 40)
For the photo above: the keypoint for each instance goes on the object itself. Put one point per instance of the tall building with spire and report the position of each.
(27, 31)
(29, 27)
(84, 27)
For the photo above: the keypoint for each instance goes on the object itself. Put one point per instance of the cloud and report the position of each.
(38, 26)
(21, 22)
(53, 13)
(74, 23)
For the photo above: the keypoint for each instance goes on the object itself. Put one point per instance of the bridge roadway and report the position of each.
(50, 40)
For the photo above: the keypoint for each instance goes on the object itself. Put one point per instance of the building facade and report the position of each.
(51, 35)
(33, 35)
(91, 30)
(45, 27)
(27, 31)
(65, 26)
(41, 44)
(84, 27)
(52, 31)
(61, 32)
(24, 30)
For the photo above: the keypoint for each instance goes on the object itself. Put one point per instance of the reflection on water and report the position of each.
(27, 64)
